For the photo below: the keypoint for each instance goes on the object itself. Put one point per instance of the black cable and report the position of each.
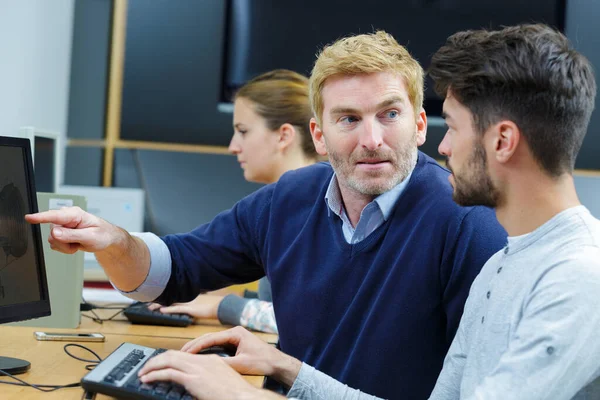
(99, 359)
(52, 388)
(41, 388)
(96, 318)
(89, 367)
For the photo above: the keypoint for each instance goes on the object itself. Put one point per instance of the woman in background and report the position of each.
(271, 136)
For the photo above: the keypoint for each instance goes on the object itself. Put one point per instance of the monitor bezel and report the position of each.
(40, 308)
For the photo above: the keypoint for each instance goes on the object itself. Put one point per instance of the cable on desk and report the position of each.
(41, 388)
(96, 318)
(52, 388)
(85, 306)
(89, 367)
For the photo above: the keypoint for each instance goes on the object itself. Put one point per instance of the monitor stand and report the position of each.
(14, 366)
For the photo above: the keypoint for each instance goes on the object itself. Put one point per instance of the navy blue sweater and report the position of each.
(378, 315)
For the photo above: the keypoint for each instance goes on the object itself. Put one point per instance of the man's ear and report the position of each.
(287, 134)
(317, 137)
(421, 127)
(506, 137)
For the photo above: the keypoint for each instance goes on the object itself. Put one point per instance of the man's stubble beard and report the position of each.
(402, 162)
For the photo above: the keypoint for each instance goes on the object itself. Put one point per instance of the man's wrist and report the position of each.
(286, 369)
(126, 260)
(120, 244)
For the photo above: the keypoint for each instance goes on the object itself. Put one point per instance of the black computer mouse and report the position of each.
(222, 351)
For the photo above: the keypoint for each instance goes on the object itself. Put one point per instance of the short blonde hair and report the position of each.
(365, 54)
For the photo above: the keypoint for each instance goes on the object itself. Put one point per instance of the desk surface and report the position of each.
(120, 325)
(50, 365)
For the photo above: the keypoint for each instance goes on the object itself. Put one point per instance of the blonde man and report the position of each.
(517, 103)
(369, 259)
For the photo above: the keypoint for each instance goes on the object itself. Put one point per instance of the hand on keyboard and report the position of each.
(204, 306)
(253, 356)
(204, 377)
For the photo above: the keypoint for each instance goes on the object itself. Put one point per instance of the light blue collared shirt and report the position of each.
(371, 217)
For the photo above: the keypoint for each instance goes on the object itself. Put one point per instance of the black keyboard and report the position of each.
(117, 376)
(138, 313)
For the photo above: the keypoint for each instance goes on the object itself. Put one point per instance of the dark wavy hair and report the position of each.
(529, 74)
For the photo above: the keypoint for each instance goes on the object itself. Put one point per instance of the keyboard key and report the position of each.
(144, 387)
(161, 389)
(175, 393)
(133, 383)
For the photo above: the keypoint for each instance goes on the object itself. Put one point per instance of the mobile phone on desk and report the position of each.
(69, 337)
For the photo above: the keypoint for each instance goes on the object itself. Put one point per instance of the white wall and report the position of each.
(35, 62)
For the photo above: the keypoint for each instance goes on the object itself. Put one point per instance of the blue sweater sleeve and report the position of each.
(478, 236)
(223, 252)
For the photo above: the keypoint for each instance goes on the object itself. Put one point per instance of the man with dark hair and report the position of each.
(517, 103)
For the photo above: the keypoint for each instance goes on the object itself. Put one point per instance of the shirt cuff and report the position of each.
(303, 383)
(159, 272)
(230, 309)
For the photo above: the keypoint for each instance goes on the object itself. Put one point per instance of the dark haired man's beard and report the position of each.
(475, 187)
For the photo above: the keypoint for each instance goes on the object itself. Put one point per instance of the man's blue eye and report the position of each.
(349, 120)
(392, 114)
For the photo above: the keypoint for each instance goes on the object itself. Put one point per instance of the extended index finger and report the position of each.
(65, 216)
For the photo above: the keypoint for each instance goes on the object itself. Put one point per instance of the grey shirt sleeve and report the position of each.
(448, 383)
(230, 309)
(250, 313)
(312, 384)
(159, 273)
(447, 386)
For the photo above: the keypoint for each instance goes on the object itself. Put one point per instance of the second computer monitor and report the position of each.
(47, 154)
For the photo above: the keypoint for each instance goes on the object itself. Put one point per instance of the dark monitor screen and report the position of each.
(262, 35)
(44, 164)
(23, 286)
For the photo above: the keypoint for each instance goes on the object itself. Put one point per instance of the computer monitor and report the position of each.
(23, 286)
(46, 151)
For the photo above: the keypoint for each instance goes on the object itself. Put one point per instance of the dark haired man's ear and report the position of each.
(317, 137)
(506, 140)
(287, 134)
